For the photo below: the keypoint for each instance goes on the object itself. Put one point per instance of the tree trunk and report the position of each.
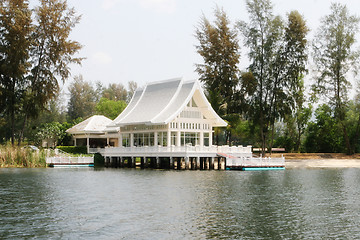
(298, 141)
(263, 142)
(21, 135)
(347, 140)
(12, 113)
(12, 121)
(356, 137)
(272, 138)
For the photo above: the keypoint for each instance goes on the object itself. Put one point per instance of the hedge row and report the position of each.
(73, 149)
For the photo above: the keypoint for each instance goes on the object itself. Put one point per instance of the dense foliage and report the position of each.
(273, 102)
(269, 107)
(73, 149)
(35, 54)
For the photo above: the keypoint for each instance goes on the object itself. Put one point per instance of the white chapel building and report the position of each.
(166, 113)
(165, 119)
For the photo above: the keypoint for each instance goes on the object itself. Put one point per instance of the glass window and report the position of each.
(126, 140)
(193, 103)
(173, 138)
(151, 139)
(138, 139)
(190, 138)
(206, 139)
(162, 138)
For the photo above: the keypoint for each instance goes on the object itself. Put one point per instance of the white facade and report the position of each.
(168, 117)
(91, 129)
(167, 113)
(170, 120)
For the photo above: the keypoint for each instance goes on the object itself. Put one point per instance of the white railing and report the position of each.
(255, 161)
(160, 149)
(96, 150)
(69, 160)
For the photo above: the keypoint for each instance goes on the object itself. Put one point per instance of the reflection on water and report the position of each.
(157, 204)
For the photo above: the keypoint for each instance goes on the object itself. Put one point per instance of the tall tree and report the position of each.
(82, 99)
(277, 52)
(296, 59)
(132, 86)
(335, 56)
(15, 42)
(263, 37)
(115, 92)
(219, 48)
(323, 134)
(110, 108)
(40, 49)
(52, 52)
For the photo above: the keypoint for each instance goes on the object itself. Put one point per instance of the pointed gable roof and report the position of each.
(161, 102)
(95, 124)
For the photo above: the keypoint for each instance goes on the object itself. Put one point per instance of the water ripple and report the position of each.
(151, 204)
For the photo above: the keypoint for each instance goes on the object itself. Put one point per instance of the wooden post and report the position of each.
(187, 166)
(121, 162)
(157, 162)
(87, 144)
(133, 162)
(198, 163)
(193, 163)
(223, 163)
(142, 162)
(212, 163)
(171, 163)
(178, 163)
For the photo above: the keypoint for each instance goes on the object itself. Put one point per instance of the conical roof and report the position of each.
(160, 102)
(94, 124)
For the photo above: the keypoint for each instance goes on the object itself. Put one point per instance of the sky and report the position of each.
(153, 40)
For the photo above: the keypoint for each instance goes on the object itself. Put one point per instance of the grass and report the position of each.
(22, 157)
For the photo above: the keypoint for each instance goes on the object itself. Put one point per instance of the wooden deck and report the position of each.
(66, 161)
(187, 157)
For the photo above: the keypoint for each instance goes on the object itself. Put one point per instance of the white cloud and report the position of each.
(109, 4)
(162, 6)
(101, 58)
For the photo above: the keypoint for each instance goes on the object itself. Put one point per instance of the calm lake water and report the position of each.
(169, 204)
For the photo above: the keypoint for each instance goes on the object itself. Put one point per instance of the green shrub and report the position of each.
(73, 149)
(22, 157)
(98, 160)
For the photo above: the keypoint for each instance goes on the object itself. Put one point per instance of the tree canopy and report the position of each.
(35, 54)
(335, 56)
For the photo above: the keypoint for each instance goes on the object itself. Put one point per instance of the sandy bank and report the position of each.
(323, 163)
(320, 160)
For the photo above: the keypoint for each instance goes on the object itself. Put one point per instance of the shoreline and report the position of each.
(320, 160)
(322, 163)
(292, 160)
